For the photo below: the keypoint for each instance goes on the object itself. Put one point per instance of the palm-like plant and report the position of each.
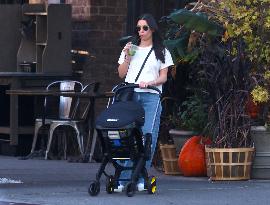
(184, 28)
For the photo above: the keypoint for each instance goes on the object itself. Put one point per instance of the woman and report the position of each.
(154, 73)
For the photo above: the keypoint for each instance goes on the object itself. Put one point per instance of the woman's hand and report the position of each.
(123, 68)
(144, 85)
(158, 81)
(126, 48)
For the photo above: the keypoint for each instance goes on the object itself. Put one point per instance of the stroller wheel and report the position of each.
(130, 189)
(94, 188)
(110, 184)
(151, 185)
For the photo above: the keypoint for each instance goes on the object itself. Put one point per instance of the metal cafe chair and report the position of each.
(78, 119)
(56, 108)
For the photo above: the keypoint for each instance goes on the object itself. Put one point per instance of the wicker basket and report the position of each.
(169, 158)
(229, 163)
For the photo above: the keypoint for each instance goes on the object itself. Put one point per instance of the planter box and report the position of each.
(261, 163)
(229, 163)
(169, 158)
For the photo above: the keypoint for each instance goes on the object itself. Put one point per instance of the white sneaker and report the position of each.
(119, 189)
(140, 187)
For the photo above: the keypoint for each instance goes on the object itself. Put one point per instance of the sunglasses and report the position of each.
(145, 28)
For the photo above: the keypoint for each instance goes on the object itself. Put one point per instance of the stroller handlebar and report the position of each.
(154, 88)
(131, 85)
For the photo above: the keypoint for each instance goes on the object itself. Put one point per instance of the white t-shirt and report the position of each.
(150, 70)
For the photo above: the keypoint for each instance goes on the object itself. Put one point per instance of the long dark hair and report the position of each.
(158, 46)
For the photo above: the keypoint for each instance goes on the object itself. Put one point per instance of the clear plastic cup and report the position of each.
(132, 50)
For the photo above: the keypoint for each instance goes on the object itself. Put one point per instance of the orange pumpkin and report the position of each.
(191, 159)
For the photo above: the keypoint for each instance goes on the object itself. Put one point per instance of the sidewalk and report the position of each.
(60, 182)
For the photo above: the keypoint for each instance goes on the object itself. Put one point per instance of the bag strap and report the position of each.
(143, 64)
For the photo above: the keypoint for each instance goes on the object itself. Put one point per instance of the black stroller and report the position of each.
(118, 128)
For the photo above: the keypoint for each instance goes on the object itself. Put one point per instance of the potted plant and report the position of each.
(189, 120)
(225, 73)
(185, 120)
(252, 25)
(182, 30)
(189, 117)
(221, 68)
(228, 89)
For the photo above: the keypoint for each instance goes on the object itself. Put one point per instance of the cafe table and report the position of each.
(92, 135)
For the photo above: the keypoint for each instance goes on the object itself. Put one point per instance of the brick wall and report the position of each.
(97, 26)
(80, 9)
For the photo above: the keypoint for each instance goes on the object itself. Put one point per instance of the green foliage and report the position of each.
(193, 114)
(249, 20)
(196, 21)
(220, 63)
(178, 47)
(179, 39)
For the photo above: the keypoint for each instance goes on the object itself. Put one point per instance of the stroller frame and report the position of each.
(120, 144)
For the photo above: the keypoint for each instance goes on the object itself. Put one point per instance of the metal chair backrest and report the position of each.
(65, 103)
(82, 106)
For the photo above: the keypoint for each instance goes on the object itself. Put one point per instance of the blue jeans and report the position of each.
(152, 107)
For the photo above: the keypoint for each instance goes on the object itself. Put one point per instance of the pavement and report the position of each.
(58, 182)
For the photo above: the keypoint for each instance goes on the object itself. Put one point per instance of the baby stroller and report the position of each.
(119, 129)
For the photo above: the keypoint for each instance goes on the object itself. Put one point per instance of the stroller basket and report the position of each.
(123, 144)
